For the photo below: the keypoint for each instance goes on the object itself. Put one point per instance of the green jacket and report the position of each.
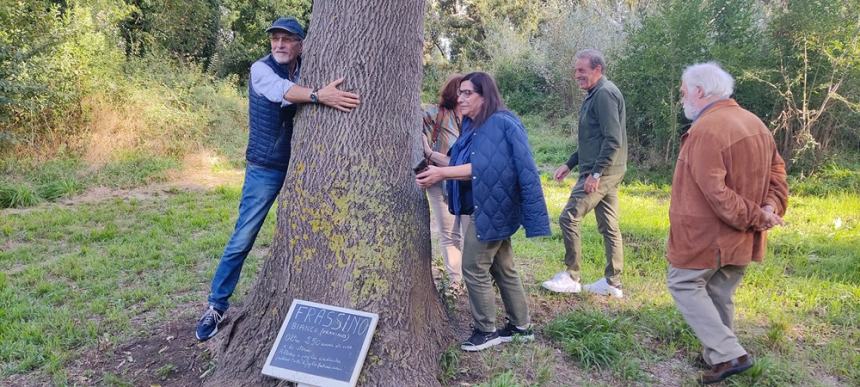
(602, 132)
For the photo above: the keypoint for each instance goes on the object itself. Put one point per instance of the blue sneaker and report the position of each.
(207, 326)
(510, 332)
(480, 341)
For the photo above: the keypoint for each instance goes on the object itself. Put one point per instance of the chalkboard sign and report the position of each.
(321, 345)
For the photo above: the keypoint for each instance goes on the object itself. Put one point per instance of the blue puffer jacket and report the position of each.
(270, 125)
(506, 187)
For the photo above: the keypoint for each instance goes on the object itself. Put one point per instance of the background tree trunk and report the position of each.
(353, 228)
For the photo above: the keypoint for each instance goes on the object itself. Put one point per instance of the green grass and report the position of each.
(133, 170)
(88, 276)
(450, 363)
(17, 195)
(73, 278)
(841, 174)
(25, 183)
(798, 312)
(504, 379)
(593, 338)
(551, 144)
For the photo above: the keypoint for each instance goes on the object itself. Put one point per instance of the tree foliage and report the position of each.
(677, 34)
(795, 62)
(242, 37)
(54, 56)
(187, 29)
(813, 71)
(51, 55)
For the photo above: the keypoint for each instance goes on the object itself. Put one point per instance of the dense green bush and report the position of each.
(70, 91)
(525, 90)
(243, 38)
(835, 177)
(533, 66)
(60, 60)
(168, 71)
(796, 64)
(188, 29)
(49, 61)
(813, 72)
(677, 35)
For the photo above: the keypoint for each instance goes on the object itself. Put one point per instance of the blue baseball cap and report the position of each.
(288, 24)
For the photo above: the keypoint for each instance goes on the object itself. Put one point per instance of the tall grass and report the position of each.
(135, 127)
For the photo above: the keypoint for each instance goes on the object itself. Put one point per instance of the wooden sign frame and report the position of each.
(309, 379)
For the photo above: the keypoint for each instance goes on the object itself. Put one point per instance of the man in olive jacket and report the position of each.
(729, 188)
(602, 159)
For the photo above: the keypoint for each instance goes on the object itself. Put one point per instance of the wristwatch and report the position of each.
(595, 175)
(314, 97)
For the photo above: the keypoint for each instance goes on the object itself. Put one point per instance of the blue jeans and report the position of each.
(259, 191)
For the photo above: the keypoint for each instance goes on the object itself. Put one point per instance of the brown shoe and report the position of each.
(701, 363)
(721, 371)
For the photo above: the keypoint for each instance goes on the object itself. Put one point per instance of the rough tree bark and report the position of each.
(352, 225)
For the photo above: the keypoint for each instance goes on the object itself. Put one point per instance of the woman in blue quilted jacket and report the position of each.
(495, 182)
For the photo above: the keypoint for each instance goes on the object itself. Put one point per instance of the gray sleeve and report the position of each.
(269, 84)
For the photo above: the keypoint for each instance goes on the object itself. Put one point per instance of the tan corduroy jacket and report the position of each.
(727, 169)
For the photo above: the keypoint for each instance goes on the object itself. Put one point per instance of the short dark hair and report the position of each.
(486, 87)
(448, 94)
(595, 58)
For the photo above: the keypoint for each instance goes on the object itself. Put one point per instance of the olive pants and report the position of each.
(604, 202)
(484, 262)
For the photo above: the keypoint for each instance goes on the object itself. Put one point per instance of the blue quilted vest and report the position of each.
(271, 126)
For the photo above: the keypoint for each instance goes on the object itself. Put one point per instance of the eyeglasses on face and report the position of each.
(465, 92)
(288, 38)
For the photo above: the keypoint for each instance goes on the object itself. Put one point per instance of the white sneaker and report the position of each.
(603, 288)
(562, 283)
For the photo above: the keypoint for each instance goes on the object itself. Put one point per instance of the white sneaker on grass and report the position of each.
(603, 288)
(562, 283)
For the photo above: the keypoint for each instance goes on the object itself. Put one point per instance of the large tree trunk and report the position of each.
(353, 228)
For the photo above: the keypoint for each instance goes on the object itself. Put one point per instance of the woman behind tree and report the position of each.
(495, 182)
(441, 129)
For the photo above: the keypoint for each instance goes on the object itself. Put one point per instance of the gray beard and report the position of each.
(278, 59)
(690, 111)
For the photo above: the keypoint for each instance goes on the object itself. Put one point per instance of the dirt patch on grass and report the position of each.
(673, 372)
(199, 172)
(169, 356)
(8, 245)
(204, 170)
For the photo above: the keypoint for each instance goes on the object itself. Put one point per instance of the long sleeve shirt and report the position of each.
(602, 144)
(269, 84)
(728, 168)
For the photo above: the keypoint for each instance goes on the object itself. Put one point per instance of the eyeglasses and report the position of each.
(465, 93)
(288, 38)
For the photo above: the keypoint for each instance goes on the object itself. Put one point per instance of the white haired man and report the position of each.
(728, 189)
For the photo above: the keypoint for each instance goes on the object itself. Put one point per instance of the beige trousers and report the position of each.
(449, 229)
(704, 298)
